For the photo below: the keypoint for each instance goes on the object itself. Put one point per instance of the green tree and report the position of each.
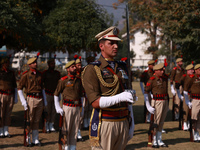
(73, 24)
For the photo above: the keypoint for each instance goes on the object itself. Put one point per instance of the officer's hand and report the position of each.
(173, 92)
(190, 105)
(151, 109)
(60, 111)
(25, 106)
(126, 97)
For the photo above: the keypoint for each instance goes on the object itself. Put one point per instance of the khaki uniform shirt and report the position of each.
(31, 81)
(157, 85)
(91, 82)
(50, 79)
(145, 76)
(70, 88)
(7, 80)
(176, 75)
(192, 84)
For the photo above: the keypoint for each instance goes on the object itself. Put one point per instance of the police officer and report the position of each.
(70, 88)
(104, 86)
(8, 95)
(31, 80)
(50, 79)
(176, 74)
(143, 80)
(193, 85)
(157, 84)
(185, 77)
(78, 74)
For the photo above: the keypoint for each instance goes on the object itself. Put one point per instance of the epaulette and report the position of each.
(191, 76)
(175, 68)
(184, 75)
(25, 72)
(63, 78)
(152, 78)
(98, 63)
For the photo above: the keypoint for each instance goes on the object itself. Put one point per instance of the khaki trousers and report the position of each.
(161, 109)
(7, 102)
(196, 113)
(71, 123)
(113, 135)
(35, 107)
(50, 108)
(177, 100)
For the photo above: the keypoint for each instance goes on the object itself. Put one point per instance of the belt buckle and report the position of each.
(76, 102)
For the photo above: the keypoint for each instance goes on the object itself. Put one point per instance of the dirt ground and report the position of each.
(176, 139)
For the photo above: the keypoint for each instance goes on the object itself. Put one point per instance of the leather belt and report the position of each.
(160, 97)
(6, 92)
(35, 95)
(120, 114)
(72, 103)
(195, 96)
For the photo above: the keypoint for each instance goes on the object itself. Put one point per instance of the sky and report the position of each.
(118, 13)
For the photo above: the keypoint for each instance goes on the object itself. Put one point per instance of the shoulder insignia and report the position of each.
(152, 78)
(174, 68)
(98, 63)
(191, 76)
(25, 72)
(148, 84)
(184, 75)
(63, 78)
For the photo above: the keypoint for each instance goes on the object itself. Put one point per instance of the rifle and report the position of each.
(152, 130)
(190, 130)
(26, 128)
(173, 113)
(44, 120)
(181, 114)
(61, 140)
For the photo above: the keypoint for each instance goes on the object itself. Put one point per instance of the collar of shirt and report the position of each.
(105, 63)
(71, 77)
(33, 71)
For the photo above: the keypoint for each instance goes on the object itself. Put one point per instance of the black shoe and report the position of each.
(197, 141)
(80, 140)
(30, 145)
(155, 146)
(8, 136)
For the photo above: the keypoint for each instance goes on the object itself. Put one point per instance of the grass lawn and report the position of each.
(176, 139)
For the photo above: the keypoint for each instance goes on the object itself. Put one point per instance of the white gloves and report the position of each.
(82, 101)
(131, 130)
(179, 94)
(57, 105)
(187, 101)
(150, 109)
(108, 101)
(16, 99)
(22, 99)
(172, 90)
(142, 87)
(44, 97)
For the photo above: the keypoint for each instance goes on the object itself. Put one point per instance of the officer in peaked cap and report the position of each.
(35, 100)
(176, 74)
(8, 95)
(71, 89)
(183, 81)
(143, 80)
(104, 86)
(157, 84)
(193, 86)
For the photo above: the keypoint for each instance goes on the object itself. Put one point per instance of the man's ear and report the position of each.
(101, 45)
